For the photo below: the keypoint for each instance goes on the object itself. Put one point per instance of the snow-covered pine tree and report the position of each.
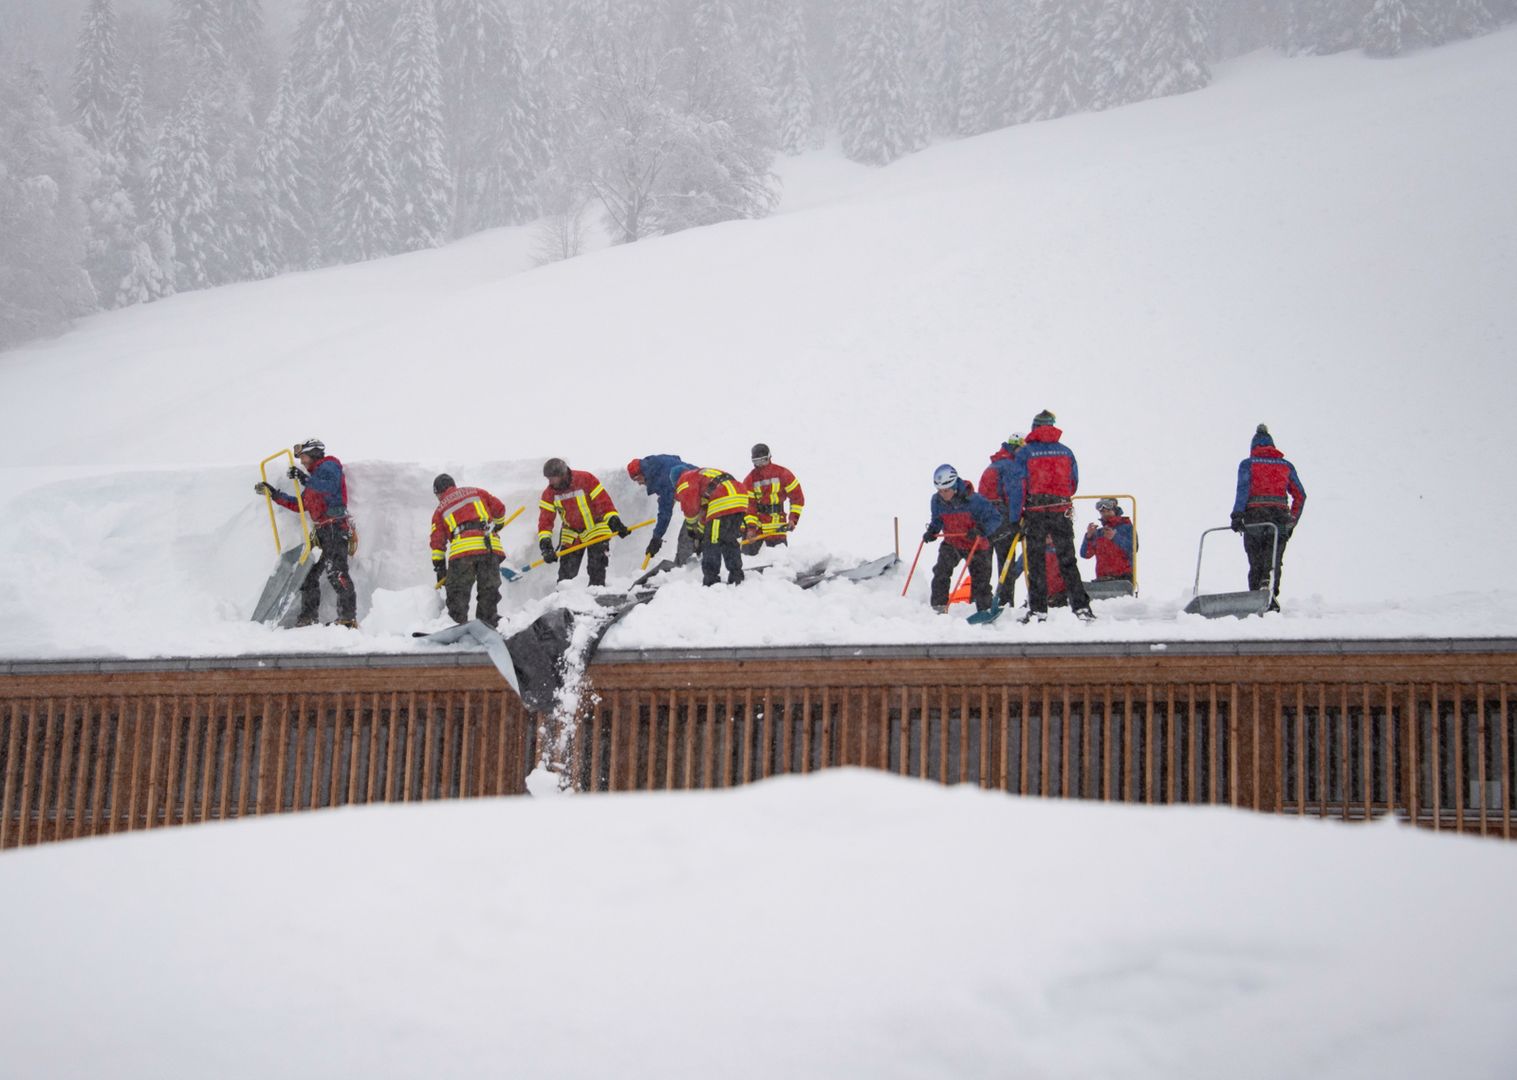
(724, 142)
(779, 49)
(242, 32)
(1175, 59)
(42, 231)
(951, 43)
(110, 226)
(1058, 71)
(1453, 20)
(874, 117)
(97, 89)
(1384, 32)
(496, 145)
(329, 56)
(129, 135)
(1324, 26)
(976, 72)
(418, 140)
(198, 36)
(182, 197)
(1008, 84)
(1124, 37)
(363, 213)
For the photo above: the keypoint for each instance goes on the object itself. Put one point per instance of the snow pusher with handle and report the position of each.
(516, 575)
(1239, 604)
(291, 568)
(993, 612)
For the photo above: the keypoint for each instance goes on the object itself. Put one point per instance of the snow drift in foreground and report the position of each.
(1324, 244)
(842, 924)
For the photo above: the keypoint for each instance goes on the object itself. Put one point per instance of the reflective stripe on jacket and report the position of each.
(772, 486)
(584, 506)
(464, 523)
(704, 494)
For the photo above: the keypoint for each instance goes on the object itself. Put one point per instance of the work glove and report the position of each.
(546, 547)
(617, 527)
(693, 529)
(929, 536)
(751, 533)
(1001, 535)
(1237, 521)
(795, 519)
(294, 473)
(441, 569)
(261, 488)
(653, 546)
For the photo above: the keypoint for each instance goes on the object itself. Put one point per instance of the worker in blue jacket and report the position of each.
(969, 525)
(657, 474)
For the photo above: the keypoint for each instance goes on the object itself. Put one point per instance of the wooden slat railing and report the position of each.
(1428, 738)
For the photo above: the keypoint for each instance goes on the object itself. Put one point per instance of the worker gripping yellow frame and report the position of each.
(305, 522)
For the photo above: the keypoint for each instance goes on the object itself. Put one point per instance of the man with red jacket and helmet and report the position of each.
(773, 486)
(1044, 479)
(1110, 543)
(588, 515)
(993, 484)
(969, 524)
(1269, 493)
(324, 494)
(719, 509)
(466, 548)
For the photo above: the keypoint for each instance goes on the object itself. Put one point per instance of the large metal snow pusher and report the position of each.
(1239, 604)
(277, 604)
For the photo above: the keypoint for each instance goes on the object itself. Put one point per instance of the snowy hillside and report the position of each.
(838, 925)
(1322, 244)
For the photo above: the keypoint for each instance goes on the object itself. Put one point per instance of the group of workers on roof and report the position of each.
(1026, 492)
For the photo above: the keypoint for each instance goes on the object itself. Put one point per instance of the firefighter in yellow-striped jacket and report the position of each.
(466, 548)
(773, 486)
(589, 515)
(719, 509)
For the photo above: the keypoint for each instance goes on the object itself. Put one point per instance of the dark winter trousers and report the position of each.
(684, 548)
(1259, 542)
(979, 574)
(1038, 527)
(722, 543)
(464, 573)
(600, 558)
(333, 565)
(1006, 590)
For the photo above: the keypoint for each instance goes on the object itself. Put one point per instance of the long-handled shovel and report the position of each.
(913, 569)
(516, 575)
(993, 612)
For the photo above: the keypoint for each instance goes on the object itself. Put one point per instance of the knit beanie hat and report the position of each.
(1261, 437)
(1044, 419)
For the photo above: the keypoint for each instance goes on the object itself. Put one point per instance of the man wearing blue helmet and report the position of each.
(969, 525)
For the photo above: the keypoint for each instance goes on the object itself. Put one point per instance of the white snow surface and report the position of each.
(1327, 245)
(845, 924)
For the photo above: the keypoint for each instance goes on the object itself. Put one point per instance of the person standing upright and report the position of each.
(719, 509)
(466, 548)
(1269, 493)
(324, 494)
(773, 486)
(657, 474)
(993, 485)
(1043, 482)
(589, 517)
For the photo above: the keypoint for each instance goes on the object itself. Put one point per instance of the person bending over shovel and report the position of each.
(589, 517)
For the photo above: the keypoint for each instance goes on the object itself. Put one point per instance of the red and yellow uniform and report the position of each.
(464, 523)
(706, 495)
(772, 487)
(583, 504)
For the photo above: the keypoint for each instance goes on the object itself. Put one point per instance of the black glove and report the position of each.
(294, 473)
(1237, 523)
(441, 569)
(1001, 535)
(653, 546)
(261, 488)
(617, 527)
(929, 536)
(972, 537)
(549, 555)
(693, 530)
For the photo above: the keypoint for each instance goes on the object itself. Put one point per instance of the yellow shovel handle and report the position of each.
(591, 543)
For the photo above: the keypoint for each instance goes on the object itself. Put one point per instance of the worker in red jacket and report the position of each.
(773, 486)
(466, 548)
(1044, 479)
(324, 495)
(993, 485)
(718, 509)
(970, 525)
(1269, 493)
(1110, 542)
(589, 516)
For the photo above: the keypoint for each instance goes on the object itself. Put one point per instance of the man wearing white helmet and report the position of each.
(969, 525)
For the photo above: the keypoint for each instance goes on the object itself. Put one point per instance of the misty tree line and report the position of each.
(192, 151)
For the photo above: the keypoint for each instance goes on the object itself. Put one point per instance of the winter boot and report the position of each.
(306, 620)
(1033, 616)
(1085, 615)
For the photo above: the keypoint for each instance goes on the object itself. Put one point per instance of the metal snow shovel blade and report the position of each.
(278, 599)
(1109, 589)
(1238, 604)
(475, 632)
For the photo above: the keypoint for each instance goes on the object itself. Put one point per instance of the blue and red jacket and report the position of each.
(1267, 480)
(964, 514)
(996, 479)
(325, 493)
(1114, 555)
(660, 472)
(1044, 475)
